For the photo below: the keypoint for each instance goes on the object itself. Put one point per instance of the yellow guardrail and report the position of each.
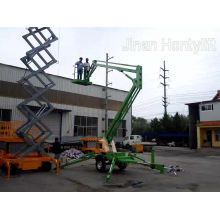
(7, 129)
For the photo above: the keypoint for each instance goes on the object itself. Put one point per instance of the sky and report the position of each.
(191, 56)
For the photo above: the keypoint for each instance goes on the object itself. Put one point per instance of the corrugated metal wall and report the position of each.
(13, 74)
(53, 123)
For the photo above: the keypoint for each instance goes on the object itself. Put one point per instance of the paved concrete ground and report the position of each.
(201, 173)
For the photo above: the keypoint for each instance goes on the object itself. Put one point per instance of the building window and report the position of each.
(208, 107)
(86, 126)
(121, 132)
(5, 115)
(217, 135)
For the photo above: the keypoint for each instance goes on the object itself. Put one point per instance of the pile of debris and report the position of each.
(70, 155)
(174, 169)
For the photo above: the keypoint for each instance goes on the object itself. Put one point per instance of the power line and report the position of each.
(180, 95)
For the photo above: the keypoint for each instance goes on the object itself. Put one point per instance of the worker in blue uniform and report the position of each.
(79, 65)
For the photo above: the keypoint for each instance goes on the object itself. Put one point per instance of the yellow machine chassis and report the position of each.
(32, 161)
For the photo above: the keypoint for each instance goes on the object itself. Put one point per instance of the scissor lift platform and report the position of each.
(32, 161)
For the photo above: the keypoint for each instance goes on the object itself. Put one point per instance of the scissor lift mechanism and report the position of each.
(37, 60)
(111, 157)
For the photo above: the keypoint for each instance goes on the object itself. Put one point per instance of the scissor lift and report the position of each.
(31, 154)
(9, 142)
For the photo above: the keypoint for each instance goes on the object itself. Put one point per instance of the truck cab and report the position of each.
(132, 139)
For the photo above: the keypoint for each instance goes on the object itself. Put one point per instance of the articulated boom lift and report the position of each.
(110, 156)
(136, 87)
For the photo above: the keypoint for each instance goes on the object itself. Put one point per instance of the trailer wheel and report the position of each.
(4, 169)
(46, 166)
(122, 166)
(100, 164)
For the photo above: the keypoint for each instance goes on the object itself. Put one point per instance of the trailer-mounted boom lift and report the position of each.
(110, 156)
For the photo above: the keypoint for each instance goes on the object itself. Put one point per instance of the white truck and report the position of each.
(136, 139)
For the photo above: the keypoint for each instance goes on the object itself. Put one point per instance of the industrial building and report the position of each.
(78, 110)
(204, 123)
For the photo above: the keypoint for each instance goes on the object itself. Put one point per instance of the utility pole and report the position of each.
(164, 77)
(106, 91)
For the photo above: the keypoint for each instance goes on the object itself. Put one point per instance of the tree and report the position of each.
(167, 124)
(181, 123)
(155, 126)
(140, 125)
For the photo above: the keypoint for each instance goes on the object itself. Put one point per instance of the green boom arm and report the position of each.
(132, 94)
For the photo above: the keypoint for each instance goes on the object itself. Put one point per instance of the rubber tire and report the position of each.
(100, 164)
(46, 166)
(13, 169)
(4, 169)
(122, 166)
